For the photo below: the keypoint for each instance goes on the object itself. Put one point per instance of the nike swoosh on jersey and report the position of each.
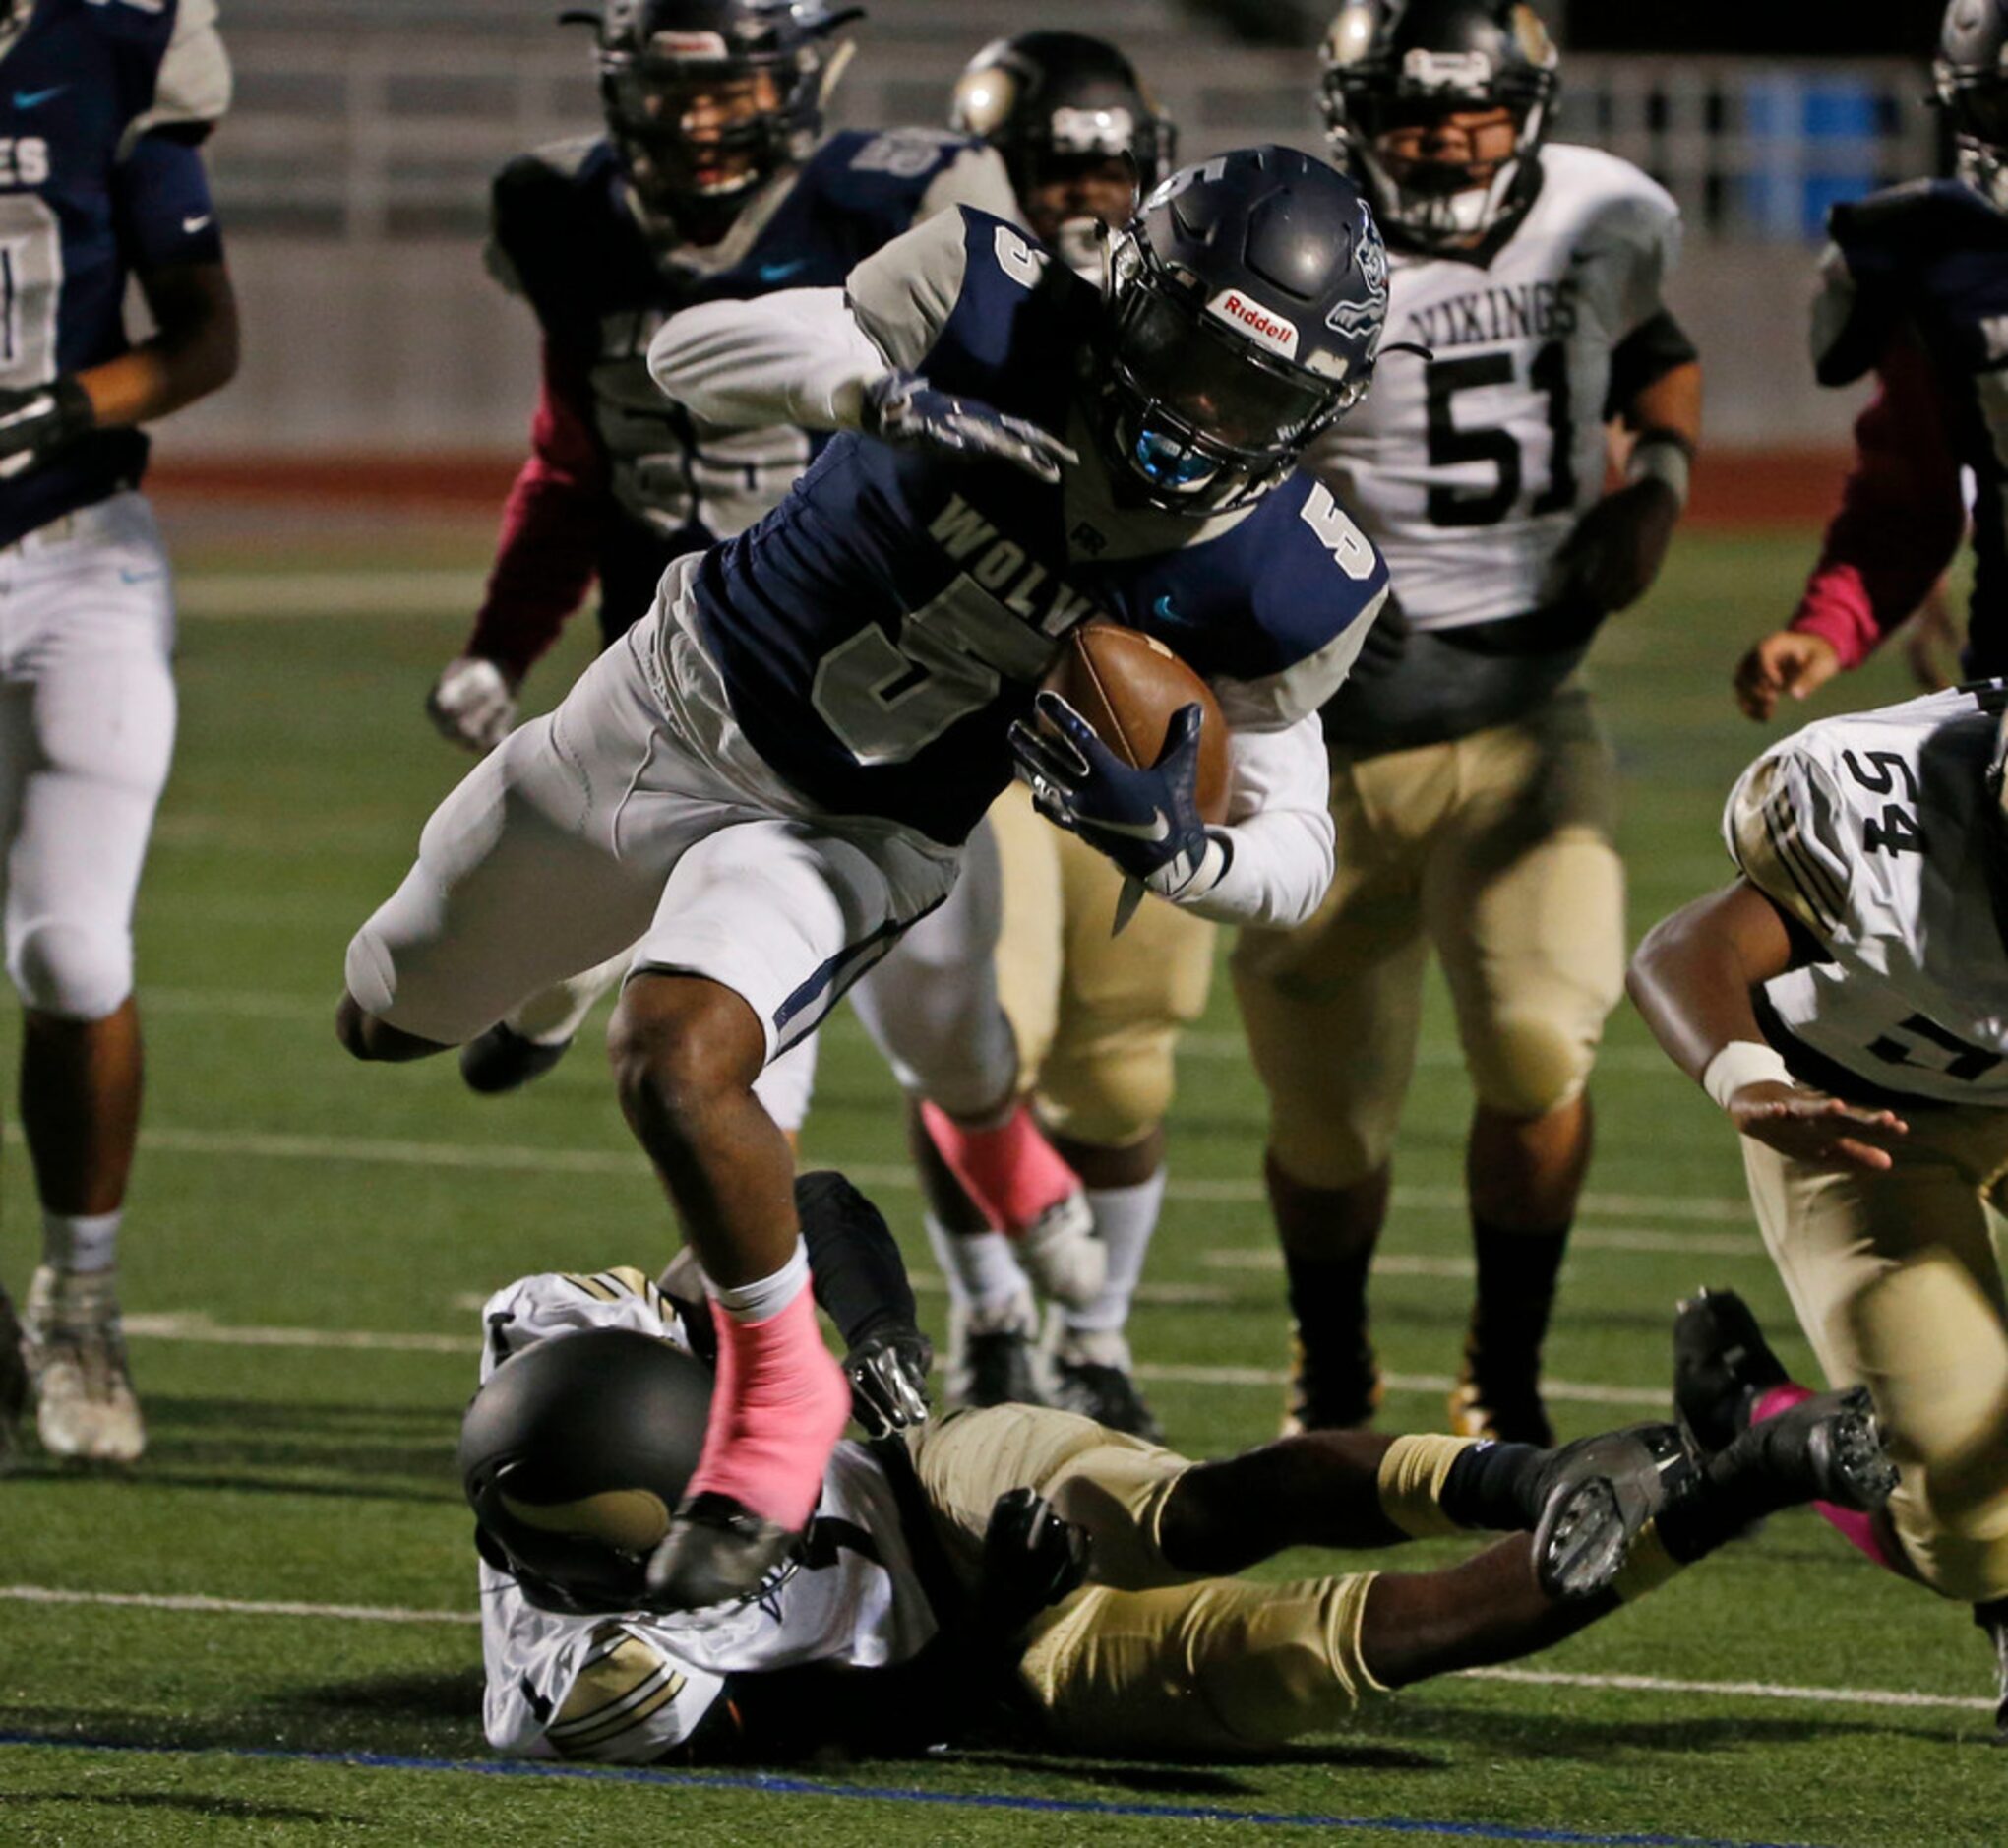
(1160, 827)
(34, 99)
(774, 272)
(1163, 611)
(193, 225)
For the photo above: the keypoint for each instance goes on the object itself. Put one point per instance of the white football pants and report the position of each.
(87, 732)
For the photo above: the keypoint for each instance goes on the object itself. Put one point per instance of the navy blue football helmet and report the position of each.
(1244, 312)
(705, 99)
(574, 1456)
(1395, 64)
(1972, 84)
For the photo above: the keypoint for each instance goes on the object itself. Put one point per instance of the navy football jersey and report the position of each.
(99, 181)
(566, 238)
(1932, 257)
(878, 632)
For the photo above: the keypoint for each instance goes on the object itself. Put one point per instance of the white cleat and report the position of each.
(1062, 1254)
(85, 1405)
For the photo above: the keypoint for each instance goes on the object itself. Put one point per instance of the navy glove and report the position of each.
(1146, 821)
(905, 411)
(888, 1375)
(35, 419)
(1033, 1557)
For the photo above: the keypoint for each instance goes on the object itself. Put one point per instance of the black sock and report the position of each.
(1328, 1304)
(1495, 1488)
(1517, 1279)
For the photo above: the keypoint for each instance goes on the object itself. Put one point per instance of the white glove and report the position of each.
(472, 702)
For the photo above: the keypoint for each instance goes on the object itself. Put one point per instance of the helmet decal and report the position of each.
(1268, 329)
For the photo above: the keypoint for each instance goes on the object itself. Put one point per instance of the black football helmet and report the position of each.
(1393, 64)
(1970, 79)
(1243, 311)
(1042, 97)
(574, 1456)
(705, 99)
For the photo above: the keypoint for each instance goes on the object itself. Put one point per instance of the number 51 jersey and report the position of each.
(1878, 834)
(1468, 470)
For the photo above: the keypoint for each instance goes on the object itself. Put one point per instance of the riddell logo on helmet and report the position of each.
(1269, 330)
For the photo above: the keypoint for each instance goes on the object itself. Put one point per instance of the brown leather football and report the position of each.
(1127, 686)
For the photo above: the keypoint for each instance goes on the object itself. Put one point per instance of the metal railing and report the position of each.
(380, 134)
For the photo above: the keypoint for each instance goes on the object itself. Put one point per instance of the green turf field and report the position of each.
(307, 1239)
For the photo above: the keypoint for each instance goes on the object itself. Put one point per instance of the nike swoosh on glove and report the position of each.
(1146, 821)
(905, 411)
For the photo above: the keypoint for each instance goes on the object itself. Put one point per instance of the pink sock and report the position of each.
(1011, 1172)
(1854, 1526)
(777, 1410)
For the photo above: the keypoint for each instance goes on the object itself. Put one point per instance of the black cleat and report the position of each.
(993, 1356)
(1499, 1397)
(504, 1059)
(1721, 1367)
(1107, 1394)
(1335, 1387)
(1596, 1495)
(717, 1551)
(1825, 1449)
(1993, 1621)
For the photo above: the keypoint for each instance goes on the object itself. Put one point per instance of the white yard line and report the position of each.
(281, 1147)
(198, 1330)
(197, 1606)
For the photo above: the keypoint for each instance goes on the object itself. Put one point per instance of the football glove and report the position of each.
(906, 411)
(472, 704)
(1033, 1557)
(1146, 821)
(36, 419)
(888, 1375)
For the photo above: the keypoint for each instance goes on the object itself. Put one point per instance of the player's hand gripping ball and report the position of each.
(1130, 752)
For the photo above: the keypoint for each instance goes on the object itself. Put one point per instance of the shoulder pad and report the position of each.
(533, 210)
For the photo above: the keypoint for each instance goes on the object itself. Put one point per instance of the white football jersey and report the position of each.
(627, 1688)
(1468, 470)
(1878, 834)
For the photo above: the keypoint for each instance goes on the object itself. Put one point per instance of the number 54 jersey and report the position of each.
(1468, 470)
(1879, 835)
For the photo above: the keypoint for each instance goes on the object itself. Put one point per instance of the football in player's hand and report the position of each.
(1128, 686)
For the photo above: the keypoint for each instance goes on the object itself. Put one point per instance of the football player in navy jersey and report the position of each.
(102, 109)
(708, 184)
(769, 778)
(1914, 289)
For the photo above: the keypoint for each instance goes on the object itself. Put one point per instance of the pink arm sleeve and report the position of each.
(551, 526)
(1900, 517)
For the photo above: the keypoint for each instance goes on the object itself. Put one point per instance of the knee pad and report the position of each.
(1525, 1065)
(75, 971)
(1110, 1094)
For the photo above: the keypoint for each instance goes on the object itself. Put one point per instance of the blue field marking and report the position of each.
(767, 1783)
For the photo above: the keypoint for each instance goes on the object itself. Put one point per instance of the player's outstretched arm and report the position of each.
(1692, 979)
(1900, 523)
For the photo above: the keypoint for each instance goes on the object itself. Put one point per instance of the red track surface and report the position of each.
(1748, 489)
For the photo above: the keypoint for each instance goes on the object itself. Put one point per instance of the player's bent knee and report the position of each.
(1110, 1097)
(70, 972)
(678, 1043)
(1327, 1153)
(1525, 1066)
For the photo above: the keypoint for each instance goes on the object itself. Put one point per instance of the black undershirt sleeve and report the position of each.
(1651, 351)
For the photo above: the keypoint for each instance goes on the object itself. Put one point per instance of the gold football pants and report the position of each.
(1096, 1017)
(1145, 1657)
(1897, 1280)
(1495, 850)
